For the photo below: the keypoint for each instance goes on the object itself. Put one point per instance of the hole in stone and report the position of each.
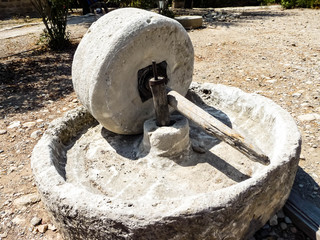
(206, 91)
(172, 122)
(145, 74)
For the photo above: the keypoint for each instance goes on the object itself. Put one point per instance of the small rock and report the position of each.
(18, 221)
(42, 228)
(266, 226)
(52, 227)
(297, 94)
(3, 235)
(293, 230)
(309, 117)
(301, 185)
(75, 100)
(29, 124)
(280, 214)
(14, 124)
(39, 120)
(273, 220)
(27, 200)
(283, 226)
(315, 146)
(271, 81)
(2, 131)
(1, 151)
(287, 220)
(35, 221)
(11, 169)
(36, 134)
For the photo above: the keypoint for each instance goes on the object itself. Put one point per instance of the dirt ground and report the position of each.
(268, 51)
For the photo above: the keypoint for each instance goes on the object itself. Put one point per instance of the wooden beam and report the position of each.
(304, 214)
(214, 127)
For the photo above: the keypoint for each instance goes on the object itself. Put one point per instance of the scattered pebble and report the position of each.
(287, 220)
(36, 134)
(283, 225)
(309, 117)
(42, 228)
(273, 220)
(2, 131)
(52, 227)
(35, 221)
(271, 81)
(3, 235)
(27, 200)
(29, 124)
(18, 221)
(293, 230)
(297, 94)
(280, 214)
(14, 124)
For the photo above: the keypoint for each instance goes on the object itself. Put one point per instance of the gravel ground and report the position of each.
(268, 51)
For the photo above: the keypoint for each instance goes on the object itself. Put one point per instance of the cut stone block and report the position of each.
(190, 22)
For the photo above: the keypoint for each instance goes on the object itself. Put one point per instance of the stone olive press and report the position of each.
(140, 161)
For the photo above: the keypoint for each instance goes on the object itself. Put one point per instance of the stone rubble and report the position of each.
(279, 227)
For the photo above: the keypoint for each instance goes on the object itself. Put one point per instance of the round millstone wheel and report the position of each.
(112, 66)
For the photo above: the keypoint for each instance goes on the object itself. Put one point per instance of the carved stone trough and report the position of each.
(171, 182)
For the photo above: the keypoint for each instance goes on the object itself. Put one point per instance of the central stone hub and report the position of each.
(170, 141)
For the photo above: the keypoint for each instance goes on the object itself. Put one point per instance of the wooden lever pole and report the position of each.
(214, 127)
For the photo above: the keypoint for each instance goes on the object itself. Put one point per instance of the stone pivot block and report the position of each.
(167, 141)
(190, 22)
(107, 61)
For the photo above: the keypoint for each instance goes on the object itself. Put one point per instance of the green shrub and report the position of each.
(54, 16)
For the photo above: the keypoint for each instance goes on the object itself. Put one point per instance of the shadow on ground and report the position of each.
(307, 187)
(31, 79)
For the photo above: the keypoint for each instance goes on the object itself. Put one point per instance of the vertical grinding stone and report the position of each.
(108, 58)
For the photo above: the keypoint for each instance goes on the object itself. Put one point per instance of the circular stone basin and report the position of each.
(101, 185)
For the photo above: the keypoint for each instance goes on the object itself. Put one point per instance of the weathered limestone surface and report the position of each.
(110, 193)
(166, 141)
(108, 58)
